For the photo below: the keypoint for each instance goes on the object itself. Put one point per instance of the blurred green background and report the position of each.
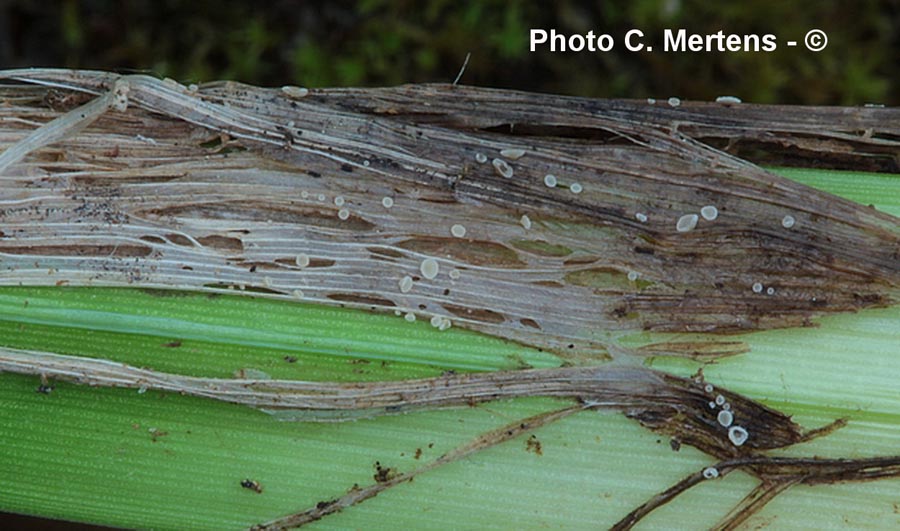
(381, 42)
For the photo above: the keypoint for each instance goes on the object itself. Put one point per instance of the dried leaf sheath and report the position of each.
(662, 402)
(240, 186)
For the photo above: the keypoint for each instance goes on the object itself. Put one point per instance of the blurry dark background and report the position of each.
(380, 42)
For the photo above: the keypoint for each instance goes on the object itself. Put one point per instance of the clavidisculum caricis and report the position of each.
(560, 223)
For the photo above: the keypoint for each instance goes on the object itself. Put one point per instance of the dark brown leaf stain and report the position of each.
(479, 314)
(386, 252)
(253, 485)
(320, 262)
(227, 244)
(530, 323)
(580, 260)
(383, 474)
(549, 284)
(179, 239)
(533, 445)
(475, 252)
